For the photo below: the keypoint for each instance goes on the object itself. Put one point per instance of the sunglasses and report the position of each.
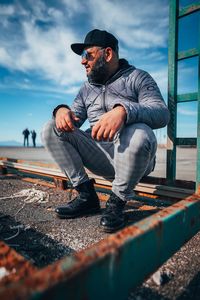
(88, 56)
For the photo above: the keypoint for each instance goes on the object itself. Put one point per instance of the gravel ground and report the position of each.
(45, 234)
(183, 281)
(42, 238)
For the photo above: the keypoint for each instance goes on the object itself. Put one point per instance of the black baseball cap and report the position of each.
(96, 37)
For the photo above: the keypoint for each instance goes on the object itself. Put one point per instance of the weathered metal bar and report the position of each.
(33, 168)
(114, 266)
(3, 170)
(39, 181)
(149, 179)
(193, 7)
(60, 181)
(160, 191)
(13, 265)
(186, 141)
(198, 128)
(187, 97)
(172, 90)
(188, 54)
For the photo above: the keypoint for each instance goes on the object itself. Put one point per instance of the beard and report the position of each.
(99, 72)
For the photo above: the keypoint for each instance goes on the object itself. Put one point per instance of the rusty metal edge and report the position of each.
(117, 264)
(15, 265)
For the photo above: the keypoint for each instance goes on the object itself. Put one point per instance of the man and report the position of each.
(26, 133)
(34, 134)
(123, 104)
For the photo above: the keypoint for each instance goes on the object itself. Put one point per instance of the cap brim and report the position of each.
(78, 48)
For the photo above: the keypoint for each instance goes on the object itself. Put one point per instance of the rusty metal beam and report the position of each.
(148, 179)
(114, 266)
(188, 54)
(60, 180)
(14, 266)
(193, 7)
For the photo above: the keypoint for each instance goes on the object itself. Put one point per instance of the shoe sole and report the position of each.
(84, 214)
(112, 230)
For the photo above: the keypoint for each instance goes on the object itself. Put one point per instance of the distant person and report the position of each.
(33, 134)
(26, 133)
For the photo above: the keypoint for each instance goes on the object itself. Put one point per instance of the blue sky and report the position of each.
(38, 70)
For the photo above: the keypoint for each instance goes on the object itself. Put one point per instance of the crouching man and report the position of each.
(123, 104)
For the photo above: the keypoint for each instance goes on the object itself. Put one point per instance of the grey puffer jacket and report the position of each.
(132, 88)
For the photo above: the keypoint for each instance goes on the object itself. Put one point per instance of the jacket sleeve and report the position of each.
(149, 107)
(77, 107)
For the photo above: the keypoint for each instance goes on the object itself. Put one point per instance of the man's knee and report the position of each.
(138, 137)
(47, 131)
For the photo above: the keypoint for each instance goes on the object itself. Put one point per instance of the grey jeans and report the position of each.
(125, 160)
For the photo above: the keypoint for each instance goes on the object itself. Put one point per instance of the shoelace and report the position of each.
(113, 208)
(73, 201)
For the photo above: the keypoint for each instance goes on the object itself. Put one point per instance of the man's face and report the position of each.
(90, 56)
(95, 64)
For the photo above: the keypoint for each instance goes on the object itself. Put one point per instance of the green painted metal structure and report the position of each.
(174, 57)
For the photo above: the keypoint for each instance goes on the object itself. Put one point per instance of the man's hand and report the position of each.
(109, 124)
(65, 118)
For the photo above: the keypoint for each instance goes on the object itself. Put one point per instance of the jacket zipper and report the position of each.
(103, 98)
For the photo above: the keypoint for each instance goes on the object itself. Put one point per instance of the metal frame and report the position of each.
(117, 264)
(149, 186)
(173, 99)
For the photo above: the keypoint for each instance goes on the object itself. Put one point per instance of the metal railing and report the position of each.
(174, 56)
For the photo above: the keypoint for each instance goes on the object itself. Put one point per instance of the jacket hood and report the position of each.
(123, 67)
(123, 64)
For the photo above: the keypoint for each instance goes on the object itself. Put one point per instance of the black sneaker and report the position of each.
(85, 203)
(113, 218)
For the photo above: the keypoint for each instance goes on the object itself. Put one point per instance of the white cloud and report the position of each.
(39, 10)
(161, 77)
(73, 90)
(138, 24)
(187, 77)
(55, 14)
(55, 91)
(6, 10)
(4, 57)
(154, 56)
(187, 112)
(74, 7)
(46, 50)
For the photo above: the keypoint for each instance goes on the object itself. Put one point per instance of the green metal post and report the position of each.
(172, 89)
(198, 128)
(174, 56)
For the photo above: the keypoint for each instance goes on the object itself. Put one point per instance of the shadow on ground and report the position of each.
(40, 249)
